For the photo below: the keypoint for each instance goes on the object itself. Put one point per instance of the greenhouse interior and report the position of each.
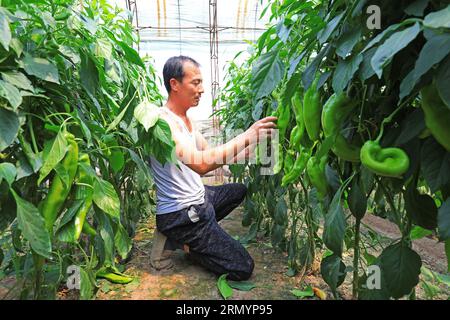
(270, 150)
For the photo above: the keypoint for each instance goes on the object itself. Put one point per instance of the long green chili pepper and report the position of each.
(58, 192)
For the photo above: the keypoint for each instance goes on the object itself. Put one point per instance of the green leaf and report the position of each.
(266, 74)
(107, 235)
(103, 48)
(421, 208)
(280, 216)
(225, 290)
(8, 172)
(18, 79)
(116, 159)
(241, 285)
(438, 19)
(357, 201)
(66, 228)
(419, 233)
(344, 72)
(347, 42)
(141, 165)
(332, 270)
(54, 156)
(5, 31)
(86, 287)
(444, 220)
(89, 74)
(310, 71)
(41, 68)
(105, 197)
(334, 226)
(131, 55)
(10, 93)
(33, 226)
(122, 241)
(442, 81)
(258, 110)
(9, 127)
(147, 114)
(401, 268)
(386, 33)
(365, 70)
(303, 294)
(417, 8)
(17, 46)
(330, 28)
(391, 46)
(434, 50)
(435, 164)
(63, 174)
(162, 132)
(412, 126)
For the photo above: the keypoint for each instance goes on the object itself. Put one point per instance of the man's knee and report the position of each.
(241, 190)
(244, 273)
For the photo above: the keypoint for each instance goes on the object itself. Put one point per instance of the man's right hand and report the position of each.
(261, 129)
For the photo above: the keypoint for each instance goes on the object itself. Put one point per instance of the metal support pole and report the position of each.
(132, 7)
(214, 54)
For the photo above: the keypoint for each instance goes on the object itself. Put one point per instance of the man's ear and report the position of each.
(174, 84)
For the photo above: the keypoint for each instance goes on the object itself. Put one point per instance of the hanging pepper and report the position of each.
(83, 192)
(288, 161)
(312, 110)
(437, 115)
(299, 129)
(58, 192)
(316, 173)
(297, 169)
(294, 139)
(389, 162)
(335, 111)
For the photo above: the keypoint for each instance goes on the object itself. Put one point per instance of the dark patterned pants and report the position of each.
(209, 244)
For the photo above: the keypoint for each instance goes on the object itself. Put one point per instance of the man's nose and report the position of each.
(201, 89)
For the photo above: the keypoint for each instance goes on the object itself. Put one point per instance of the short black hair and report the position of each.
(173, 68)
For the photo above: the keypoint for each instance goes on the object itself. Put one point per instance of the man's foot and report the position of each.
(160, 257)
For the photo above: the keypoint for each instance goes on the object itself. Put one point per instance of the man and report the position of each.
(187, 211)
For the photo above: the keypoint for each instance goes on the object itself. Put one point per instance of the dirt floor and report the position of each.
(189, 281)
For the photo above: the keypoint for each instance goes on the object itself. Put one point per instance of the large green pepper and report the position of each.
(58, 192)
(312, 111)
(316, 173)
(389, 162)
(297, 169)
(85, 193)
(335, 111)
(299, 129)
(437, 115)
(288, 161)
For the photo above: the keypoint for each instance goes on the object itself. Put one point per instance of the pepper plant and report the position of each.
(373, 78)
(78, 119)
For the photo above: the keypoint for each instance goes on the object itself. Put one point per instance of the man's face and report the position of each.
(191, 87)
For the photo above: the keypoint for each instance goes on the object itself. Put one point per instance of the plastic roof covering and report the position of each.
(174, 27)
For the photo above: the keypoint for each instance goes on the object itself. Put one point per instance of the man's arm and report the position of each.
(203, 161)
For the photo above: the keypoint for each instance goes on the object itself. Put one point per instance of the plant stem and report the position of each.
(356, 259)
(33, 138)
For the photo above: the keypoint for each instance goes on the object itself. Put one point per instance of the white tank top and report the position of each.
(176, 188)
